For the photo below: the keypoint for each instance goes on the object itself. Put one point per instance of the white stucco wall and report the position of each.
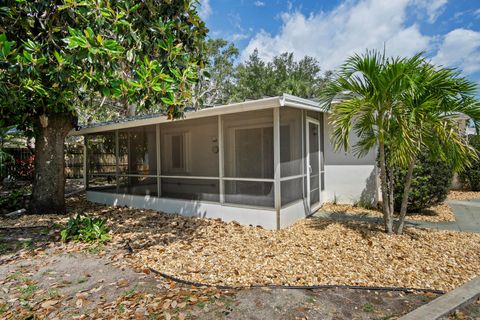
(265, 218)
(348, 178)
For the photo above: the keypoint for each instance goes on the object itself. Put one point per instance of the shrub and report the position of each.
(87, 229)
(470, 178)
(14, 200)
(432, 179)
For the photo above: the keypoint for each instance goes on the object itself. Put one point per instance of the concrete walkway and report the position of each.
(467, 218)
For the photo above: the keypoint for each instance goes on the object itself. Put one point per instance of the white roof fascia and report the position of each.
(208, 112)
(266, 103)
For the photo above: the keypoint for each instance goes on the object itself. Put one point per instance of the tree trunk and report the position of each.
(48, 194)
(406, 192)
(387, 218)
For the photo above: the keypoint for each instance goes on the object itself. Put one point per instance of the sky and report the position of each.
(448, 31)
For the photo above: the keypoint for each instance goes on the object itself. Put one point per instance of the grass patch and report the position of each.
(3, 308)
(82, 280)
(310, 300)
(121, 308)
(130, 293)
(27, 291)
(95, 248)
(53, 293)
(368, 307)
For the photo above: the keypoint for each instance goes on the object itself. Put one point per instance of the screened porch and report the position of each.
(228, 159)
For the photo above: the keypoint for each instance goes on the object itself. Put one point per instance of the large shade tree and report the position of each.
(400, 106)
(56, 57)
(256, 78)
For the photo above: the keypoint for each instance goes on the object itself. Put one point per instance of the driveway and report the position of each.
(467, 218)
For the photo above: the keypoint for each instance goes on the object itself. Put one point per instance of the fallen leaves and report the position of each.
(463, 195)
(437, 213)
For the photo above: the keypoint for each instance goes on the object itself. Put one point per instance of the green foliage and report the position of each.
(470, 177)
(74, 57)
(224, 82)
(14, 200)
(256, 78)
(404, 105)
(432, 179)
(84, 228)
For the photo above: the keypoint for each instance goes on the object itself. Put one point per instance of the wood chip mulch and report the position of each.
(312, 252)
(463, 195)
(438, 213)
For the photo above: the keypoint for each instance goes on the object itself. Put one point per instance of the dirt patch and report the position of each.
(317, 304)
(470, 311)
(73, 281)
(463, 195)
(437, 213)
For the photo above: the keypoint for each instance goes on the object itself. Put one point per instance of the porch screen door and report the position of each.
(313, 163)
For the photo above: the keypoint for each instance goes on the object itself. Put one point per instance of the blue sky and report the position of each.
(447, 30)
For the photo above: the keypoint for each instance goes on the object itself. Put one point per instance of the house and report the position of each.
(266, 162)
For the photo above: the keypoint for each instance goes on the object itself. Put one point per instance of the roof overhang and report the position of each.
(285, 100)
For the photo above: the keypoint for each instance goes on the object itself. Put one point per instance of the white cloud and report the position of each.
(259, 3)
(476, 13)
(352, 27)
(460, 48)
(204, 9)
(433, 8)
(238, 37)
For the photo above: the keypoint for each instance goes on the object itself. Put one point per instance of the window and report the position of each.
(177, 146)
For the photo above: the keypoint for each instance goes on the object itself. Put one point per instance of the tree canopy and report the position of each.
(56, 56)
(64, 59)
(228, 80)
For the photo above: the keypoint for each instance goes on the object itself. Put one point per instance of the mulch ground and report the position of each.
(463, 195)
(43, 278)
(312, 252)
(438, 213)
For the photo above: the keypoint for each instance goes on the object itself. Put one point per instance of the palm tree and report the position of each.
(399, 104)
(435, 101)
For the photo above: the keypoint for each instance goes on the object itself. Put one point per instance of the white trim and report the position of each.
(117, 160)
(298, 176)
(285, 100)
(248, 179)
(159, 159)
(307, 135)
(253, 105)
(221, 156)
(85, 154)
(276, 163)
(190, 177)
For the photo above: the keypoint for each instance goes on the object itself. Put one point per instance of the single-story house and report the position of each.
(266, 162)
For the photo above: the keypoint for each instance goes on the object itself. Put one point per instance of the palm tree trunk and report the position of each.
(406, 191)
(387, 219)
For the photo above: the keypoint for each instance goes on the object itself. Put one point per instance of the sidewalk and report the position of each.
(467, 218)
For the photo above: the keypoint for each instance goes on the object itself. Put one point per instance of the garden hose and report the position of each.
(325, 286)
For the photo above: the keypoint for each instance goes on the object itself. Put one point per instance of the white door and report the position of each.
(313, 163)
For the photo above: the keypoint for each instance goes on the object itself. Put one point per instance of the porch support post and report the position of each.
(85, 173)
(304, 165)
(159, 160)
(276, 163)
(220, 160)
(117, 161)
